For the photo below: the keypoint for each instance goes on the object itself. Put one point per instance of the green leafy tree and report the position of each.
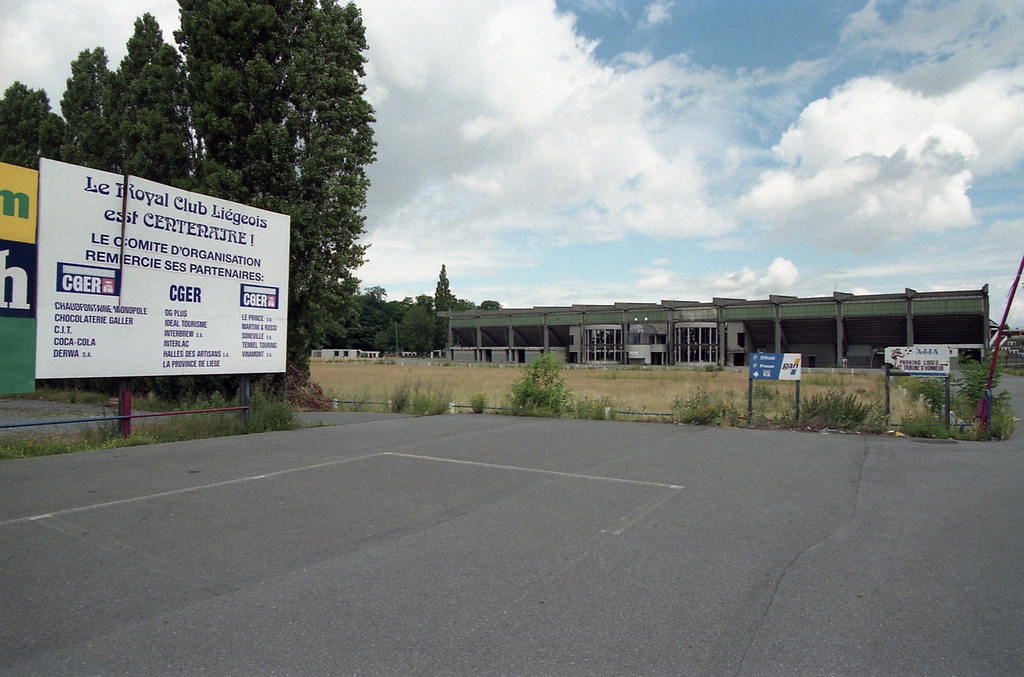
(419, 326)
(90, 137)
(387, 338)
(373, 314)
(489, 305)
(541, 389)
(28, 128)
(281, 123)
(417, 330)
(149, 109)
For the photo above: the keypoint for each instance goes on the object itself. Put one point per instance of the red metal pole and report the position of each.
(983, 403)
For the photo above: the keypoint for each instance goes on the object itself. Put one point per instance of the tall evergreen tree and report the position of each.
(149, 110)
(282, 124)
(90, 139)
(443, 300)
(28, 128)
(443, 297)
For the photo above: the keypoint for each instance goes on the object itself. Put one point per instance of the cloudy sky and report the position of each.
(551, 152)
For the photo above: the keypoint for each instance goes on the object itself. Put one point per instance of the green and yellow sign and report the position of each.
(18, 197)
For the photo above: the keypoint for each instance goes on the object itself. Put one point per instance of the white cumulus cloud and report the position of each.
(874, 162)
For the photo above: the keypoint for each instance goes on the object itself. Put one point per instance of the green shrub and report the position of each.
(400, 398)
(704, 408)
(541, 390)
(764, 392)
(931, 390)
(1001, 422)
(478, 402)
(835, 409)
(430, 403)
(930, 428)
(267, 412)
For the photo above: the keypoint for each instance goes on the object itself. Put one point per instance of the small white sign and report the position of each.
(173, 283)
(925, 360)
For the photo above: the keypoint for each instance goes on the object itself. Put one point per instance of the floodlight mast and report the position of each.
(985, 404)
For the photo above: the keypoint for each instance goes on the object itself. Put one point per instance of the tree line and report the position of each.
(409, 325)
(261, 103)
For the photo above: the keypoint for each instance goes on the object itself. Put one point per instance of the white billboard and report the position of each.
(168, 283)
(920, 360)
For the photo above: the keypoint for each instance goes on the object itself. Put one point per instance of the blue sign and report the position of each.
(775, 366)
(255, 296)
(81, 279)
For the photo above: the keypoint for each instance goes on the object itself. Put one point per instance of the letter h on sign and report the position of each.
(15, 279)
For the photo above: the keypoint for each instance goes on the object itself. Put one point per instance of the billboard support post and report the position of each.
(243, 399)
(949, 413)
(888, 400)
(922, 361)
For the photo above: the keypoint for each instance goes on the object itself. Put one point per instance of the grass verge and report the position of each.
(266, 413)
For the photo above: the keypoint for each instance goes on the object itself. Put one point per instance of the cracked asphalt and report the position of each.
(485, 544)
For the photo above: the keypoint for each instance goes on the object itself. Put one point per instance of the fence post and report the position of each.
(124, 407)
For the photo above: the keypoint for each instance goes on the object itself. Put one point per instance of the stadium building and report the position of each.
(843, 330)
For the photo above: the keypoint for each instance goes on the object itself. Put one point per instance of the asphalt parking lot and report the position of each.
(474, 544)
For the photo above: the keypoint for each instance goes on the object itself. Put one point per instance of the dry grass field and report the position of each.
(629, 389)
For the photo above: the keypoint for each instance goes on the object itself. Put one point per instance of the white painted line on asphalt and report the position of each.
(637, 515)
(539, 471)
(184, 490)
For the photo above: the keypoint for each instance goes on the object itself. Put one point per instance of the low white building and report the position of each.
(346, 354)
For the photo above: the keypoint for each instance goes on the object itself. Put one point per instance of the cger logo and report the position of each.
(79, 279)
(257, 296)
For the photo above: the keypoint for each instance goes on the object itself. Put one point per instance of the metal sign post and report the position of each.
(922, 360)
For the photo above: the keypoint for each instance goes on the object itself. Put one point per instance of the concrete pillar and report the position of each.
(625, 339)
(510, 352)
(778, 329)
(723, 344)
(583, 337)
(840, 333)
(984, 324)
(910, 316)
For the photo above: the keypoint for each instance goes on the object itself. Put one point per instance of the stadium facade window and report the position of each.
(696, 344)
(604, 344)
